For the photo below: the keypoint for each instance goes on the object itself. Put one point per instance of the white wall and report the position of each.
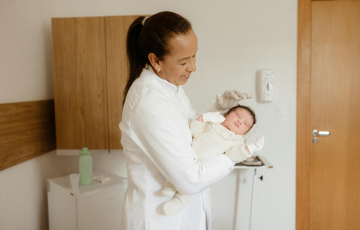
(236, 39)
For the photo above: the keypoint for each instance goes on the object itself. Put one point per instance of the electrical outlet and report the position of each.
(281, 113)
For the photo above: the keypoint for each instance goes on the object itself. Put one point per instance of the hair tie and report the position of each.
(143, 21)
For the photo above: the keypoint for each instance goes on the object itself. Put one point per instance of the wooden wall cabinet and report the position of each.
(90, 72)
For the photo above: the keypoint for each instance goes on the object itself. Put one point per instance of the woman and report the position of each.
(161, 51)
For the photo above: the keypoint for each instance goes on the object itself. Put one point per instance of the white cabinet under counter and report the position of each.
(92, 207)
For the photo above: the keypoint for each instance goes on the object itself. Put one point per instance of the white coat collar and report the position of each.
(170, 87)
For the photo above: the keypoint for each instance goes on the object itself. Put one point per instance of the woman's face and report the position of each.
(177, 66)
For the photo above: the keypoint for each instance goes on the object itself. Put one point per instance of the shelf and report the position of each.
(265, 164)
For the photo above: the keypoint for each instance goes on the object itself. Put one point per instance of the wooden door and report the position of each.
(79, 64)
(117, 73)
(335, 107)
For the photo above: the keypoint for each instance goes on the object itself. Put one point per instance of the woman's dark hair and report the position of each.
(152, 37)
(252, 113)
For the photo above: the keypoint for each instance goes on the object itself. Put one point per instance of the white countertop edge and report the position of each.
(76, 152)
(266, 162)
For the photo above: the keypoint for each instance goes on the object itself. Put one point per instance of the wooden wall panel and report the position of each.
(79, 65)
(303, 126)
(117, 73)
(27, 130)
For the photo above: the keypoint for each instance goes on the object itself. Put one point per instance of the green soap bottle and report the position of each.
(85, 167)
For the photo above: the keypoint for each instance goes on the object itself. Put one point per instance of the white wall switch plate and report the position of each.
(281, 113)
(266, 85)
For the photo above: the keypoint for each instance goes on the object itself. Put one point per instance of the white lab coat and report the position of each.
(157, 146)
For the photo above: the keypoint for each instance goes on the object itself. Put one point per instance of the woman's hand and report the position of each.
(200, 118)
(230, 98)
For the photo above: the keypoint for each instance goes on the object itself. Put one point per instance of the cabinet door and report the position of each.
(79, 64)
(100, 212)
(117, 73)
(61, 207)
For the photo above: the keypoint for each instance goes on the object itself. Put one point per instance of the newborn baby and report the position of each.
(214, 134)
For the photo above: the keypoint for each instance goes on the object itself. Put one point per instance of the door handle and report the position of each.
(320, 133)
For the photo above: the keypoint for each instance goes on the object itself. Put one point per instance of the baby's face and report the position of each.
(238, 121)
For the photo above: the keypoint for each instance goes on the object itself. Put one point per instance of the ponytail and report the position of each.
(152, 37)
(136, 61)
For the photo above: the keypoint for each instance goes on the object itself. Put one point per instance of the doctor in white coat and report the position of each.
(156, 138)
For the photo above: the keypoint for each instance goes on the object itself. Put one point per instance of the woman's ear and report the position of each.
(154, 61)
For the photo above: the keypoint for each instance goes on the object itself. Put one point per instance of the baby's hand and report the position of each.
(200, 118)
(256, 145)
